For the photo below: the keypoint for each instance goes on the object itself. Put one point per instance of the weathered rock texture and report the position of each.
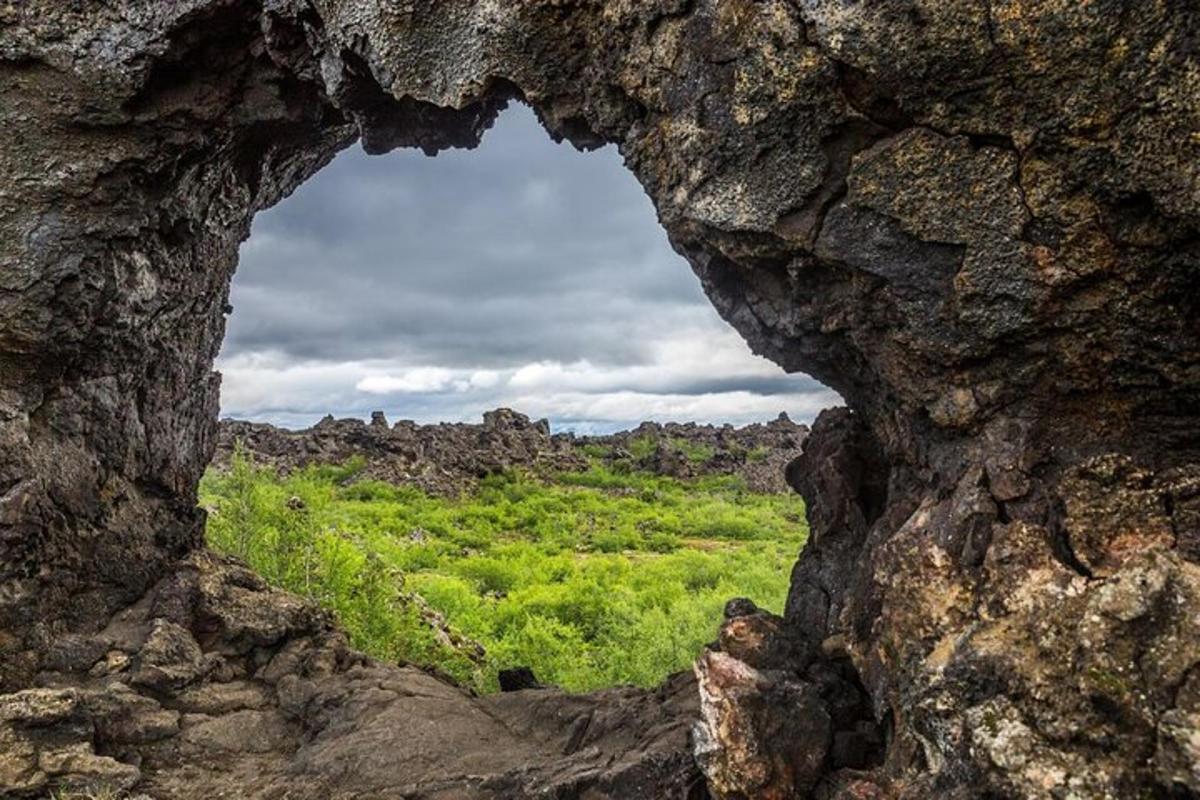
(214, 685)
(976, 219)
(448, 458)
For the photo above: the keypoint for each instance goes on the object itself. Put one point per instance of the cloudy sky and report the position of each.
(522, 273)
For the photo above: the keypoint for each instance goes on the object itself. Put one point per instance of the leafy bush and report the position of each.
(595, 451)
(695, 452)
(758, 454)
(643, 446)
(593, 578)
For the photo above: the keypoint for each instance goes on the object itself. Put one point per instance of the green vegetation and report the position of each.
(592, 578)
(644, 446)
(758, 454)
(595, 451)
(695, 452)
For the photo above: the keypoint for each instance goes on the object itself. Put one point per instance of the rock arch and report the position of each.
(977, 221)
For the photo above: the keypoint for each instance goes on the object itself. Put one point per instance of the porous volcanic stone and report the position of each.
(978, 221)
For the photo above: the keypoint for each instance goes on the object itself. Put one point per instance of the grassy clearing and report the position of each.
(593, 578)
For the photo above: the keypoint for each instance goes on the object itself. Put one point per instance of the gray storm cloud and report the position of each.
(521, 273)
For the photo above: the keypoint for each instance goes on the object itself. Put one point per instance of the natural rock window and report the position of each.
(595, 546)
(978, 222)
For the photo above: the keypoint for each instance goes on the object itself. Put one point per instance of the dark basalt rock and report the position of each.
(449, 458)
(446, 458)
(978, 221)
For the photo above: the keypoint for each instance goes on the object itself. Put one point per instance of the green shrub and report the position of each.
(695, 452)
(642, 446)
(595, 451)
(758, 454)
(593, 578)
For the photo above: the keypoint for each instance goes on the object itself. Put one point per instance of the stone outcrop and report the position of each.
(445, 458)
(757, 453)
(448, 458)
(214, 685)
(979, 221)
(1032, 665)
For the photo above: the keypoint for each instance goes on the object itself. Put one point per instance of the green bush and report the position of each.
(593, 578)
(758, 454)
(595, 451)
(643, 446)
(695, 452)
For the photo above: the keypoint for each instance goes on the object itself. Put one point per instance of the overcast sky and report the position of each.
(522, 273)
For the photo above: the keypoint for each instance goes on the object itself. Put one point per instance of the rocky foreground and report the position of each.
(449, 458)
(214, 684)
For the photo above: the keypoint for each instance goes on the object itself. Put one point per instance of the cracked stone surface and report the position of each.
(978, 220)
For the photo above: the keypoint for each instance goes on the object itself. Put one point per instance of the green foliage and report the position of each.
(643, 446)
(757, 454)
(593, 578)
(695, 452)
(595, 451)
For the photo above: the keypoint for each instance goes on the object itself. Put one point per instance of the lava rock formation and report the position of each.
(978, 220)
(449, 457)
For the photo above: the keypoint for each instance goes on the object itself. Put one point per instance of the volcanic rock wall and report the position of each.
(448, 458)
(976, 219)
(757, 453)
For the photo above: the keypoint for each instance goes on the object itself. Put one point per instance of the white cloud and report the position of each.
(629, 406)
(410, 381)
(484, 379)
(693, 377)
(678, 357)
(253, 382)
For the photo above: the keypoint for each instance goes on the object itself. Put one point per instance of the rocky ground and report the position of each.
(448, 458)
(214, 685)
